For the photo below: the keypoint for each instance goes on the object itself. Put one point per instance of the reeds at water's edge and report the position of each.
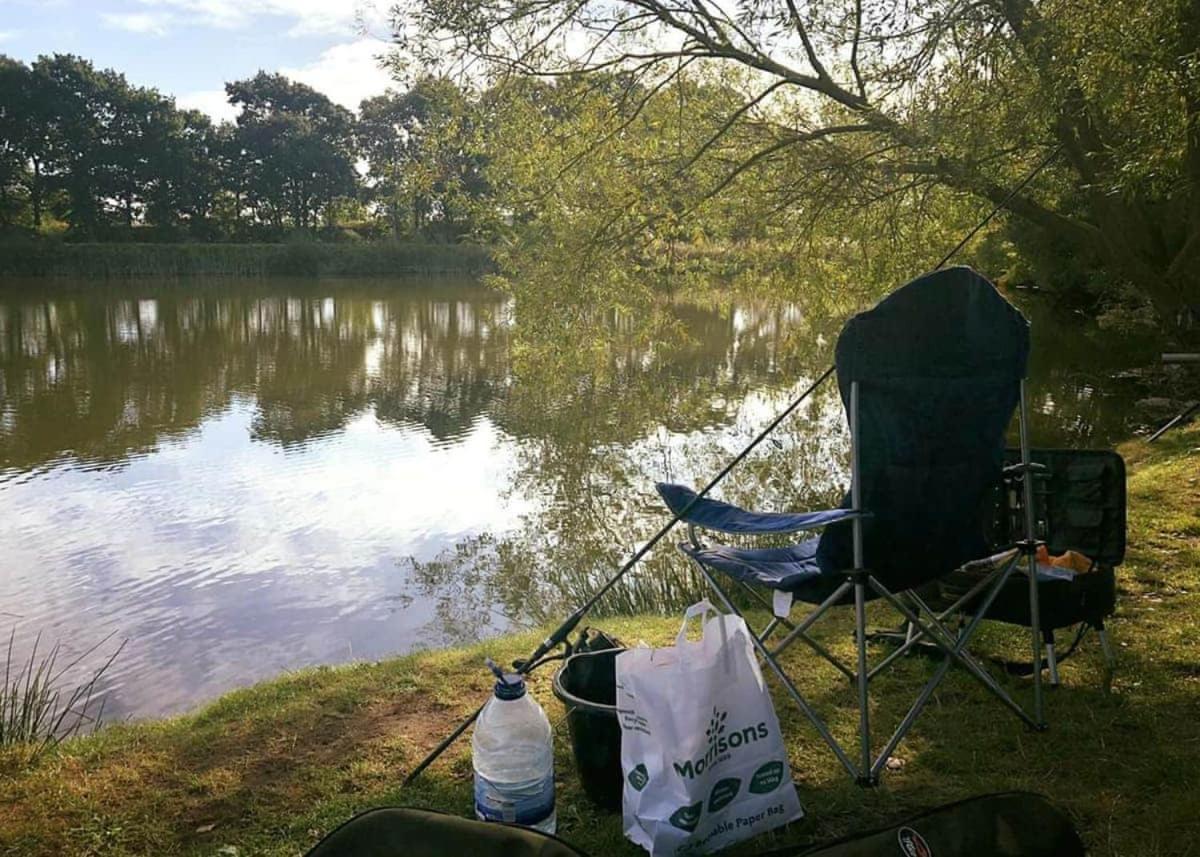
(304, 259)
(34, 713)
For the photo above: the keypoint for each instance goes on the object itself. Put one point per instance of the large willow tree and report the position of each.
(851, 102)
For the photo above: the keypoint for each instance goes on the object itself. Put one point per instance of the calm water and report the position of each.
(243, 478)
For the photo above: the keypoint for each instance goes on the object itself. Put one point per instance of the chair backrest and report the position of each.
(939, 365)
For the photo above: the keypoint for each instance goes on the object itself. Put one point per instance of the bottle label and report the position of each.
(517, 803)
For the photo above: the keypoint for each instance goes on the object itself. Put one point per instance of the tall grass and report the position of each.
(36, 713)
(48, 258)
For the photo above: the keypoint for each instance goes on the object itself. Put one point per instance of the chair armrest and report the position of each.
(725, 518)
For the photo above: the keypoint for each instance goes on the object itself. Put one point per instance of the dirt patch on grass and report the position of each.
(210, 783)
(361, 751)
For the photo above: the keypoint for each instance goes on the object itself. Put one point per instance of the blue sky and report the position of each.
(190, 48)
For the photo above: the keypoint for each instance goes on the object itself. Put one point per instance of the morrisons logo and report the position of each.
(720, 743)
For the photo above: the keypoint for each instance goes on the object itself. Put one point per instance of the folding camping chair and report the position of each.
(929, 379)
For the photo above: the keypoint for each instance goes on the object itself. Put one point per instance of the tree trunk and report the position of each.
(35, 195)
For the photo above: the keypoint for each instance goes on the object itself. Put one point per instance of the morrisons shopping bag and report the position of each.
(703, 760)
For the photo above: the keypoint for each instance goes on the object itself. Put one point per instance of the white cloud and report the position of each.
(309, 17)
(347, 73)
(146, 23)
(210, 101)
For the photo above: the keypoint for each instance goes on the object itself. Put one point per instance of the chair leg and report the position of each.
(766, 632)
(906, 723)
(820, 650)
(953, 647)
(954, 652)
(793, 634)
(1051, 660)
(773, 665)
(1110, 662)
(1035, 632)
(866, 777)
(914, 635)
(800, 632)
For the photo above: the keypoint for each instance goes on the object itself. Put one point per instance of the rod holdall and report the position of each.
(1008, 824)
(409, 832)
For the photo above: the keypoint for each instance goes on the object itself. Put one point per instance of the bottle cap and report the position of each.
(511, 686)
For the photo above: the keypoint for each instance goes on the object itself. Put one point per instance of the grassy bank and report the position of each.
(58, 259)
(267, 770)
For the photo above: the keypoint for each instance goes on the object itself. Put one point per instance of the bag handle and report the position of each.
(701, 609)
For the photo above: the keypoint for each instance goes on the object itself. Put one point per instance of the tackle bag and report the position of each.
(702, 757)
(403, 832)
(1009, 824)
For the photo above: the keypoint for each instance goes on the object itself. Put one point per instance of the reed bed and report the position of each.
(120, 261)
(36, 711)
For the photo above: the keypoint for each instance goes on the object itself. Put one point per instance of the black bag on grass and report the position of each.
(1010, 824)
(399, 832)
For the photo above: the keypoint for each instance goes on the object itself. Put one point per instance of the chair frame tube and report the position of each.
(860, 593)
(791, 689)
(1030, 548)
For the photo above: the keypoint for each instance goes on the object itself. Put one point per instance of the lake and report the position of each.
(242, 478)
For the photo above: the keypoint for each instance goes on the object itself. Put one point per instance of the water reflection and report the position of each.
(244, 478)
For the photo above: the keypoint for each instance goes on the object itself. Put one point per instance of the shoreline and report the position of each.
(269, 768)
(54, 260)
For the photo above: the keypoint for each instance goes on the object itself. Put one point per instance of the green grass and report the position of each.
(269, 769)
(99, 261)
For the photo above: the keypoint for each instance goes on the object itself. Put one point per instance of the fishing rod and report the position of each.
(560, 634)
(564, 630)
(1194, 407)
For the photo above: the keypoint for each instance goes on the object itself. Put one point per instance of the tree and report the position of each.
(383, 140)
(187, 175)
(75, 107)
(14, 179)
(861, 101)
(24, 130)
(300, 148)
(424, 157)
(142, 141)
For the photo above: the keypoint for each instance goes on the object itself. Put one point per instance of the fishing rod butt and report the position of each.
(441, 748)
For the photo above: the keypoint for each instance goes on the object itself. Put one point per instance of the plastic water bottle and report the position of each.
(513, 756)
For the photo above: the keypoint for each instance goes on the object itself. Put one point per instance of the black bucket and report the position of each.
(587, 685)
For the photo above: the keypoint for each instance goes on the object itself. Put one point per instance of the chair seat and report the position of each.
(795, 569)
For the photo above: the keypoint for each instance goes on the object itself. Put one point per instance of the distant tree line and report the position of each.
(86, 153)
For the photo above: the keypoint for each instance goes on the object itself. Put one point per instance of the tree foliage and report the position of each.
(854, 104)
(299, 147)
(426, 157)
(83, 148)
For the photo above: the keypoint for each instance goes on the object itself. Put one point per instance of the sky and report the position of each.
(190, 48)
